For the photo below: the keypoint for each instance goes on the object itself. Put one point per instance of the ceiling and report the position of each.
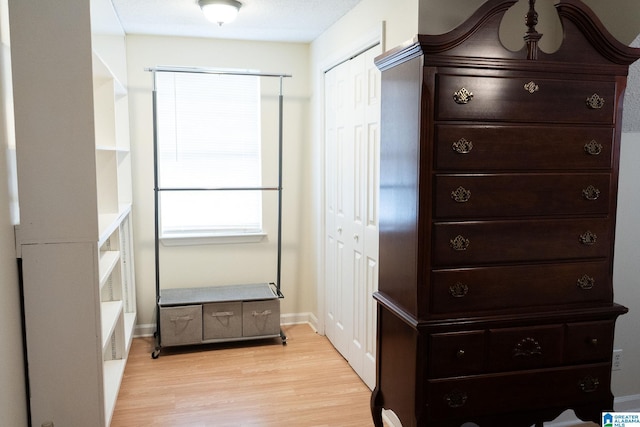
(267, 20)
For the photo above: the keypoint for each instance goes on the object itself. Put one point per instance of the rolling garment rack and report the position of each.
(188, 316)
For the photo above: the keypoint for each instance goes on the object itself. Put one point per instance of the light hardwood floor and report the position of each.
(254, 384)
(262, 383)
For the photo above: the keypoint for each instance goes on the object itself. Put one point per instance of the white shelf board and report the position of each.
(117, 149)
(108, 261)
(129, 327)
(110, 311)
(113, 370)
(102, 72)
(109, 222)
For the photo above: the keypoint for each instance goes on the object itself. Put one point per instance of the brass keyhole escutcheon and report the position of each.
(531, 87)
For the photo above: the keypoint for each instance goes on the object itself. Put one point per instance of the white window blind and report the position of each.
(208, 137)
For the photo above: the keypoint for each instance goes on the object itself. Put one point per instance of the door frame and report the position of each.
(368, 40)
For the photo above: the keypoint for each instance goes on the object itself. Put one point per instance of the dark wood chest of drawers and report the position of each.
(499, 176)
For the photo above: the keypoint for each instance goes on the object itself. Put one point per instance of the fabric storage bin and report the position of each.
(221, 320)
(261, 318)
(181, 325)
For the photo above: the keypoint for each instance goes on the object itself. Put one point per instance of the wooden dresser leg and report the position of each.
(376, 409)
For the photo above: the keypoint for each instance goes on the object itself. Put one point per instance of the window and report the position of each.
(208, 137)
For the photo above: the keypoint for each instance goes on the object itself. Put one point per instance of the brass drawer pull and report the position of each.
(531, 87)
(461, 195)
(527, 347)
(463, 96)
(586, 282)
(459, 290)
(588, 238)
(462, 146)
(591, 193)
(589, 384)
(459, 243)
(593, 342)
(456, 399)
(593, 148)
(460, 354)
(595, 102)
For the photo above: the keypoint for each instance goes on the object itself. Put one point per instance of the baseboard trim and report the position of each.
(627, 403)
(148, 329)
(299, 318)
(620, 404)
(144, 330)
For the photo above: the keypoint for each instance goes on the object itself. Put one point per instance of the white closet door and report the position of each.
(352, 100)
(338, 149)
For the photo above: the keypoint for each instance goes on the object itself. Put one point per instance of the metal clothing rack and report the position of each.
(158, 190)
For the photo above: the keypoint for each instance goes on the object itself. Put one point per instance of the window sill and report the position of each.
(217, 239)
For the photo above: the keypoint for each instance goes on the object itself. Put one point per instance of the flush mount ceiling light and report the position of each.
(220, 11)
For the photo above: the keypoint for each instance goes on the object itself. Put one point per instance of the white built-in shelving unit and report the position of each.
(117, 306)
(74, 241)
(113, 183)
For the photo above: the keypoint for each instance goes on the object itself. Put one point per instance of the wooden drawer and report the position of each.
(498, 288)
(513, 195)
(222, 320)
(456, 353)
(484, 147)
(589, 341)
(470, 397)
(481, 242)
(508, 99)
(181, 325)
(514, 349)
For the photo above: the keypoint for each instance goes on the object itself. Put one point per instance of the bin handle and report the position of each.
(222, 314)
(264, 313)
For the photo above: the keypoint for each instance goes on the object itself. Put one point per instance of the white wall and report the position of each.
(620, 17)
(12, 392)
(187, 266)
(626, 271)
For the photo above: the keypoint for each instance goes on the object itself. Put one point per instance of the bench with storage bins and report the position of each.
(219, 313)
